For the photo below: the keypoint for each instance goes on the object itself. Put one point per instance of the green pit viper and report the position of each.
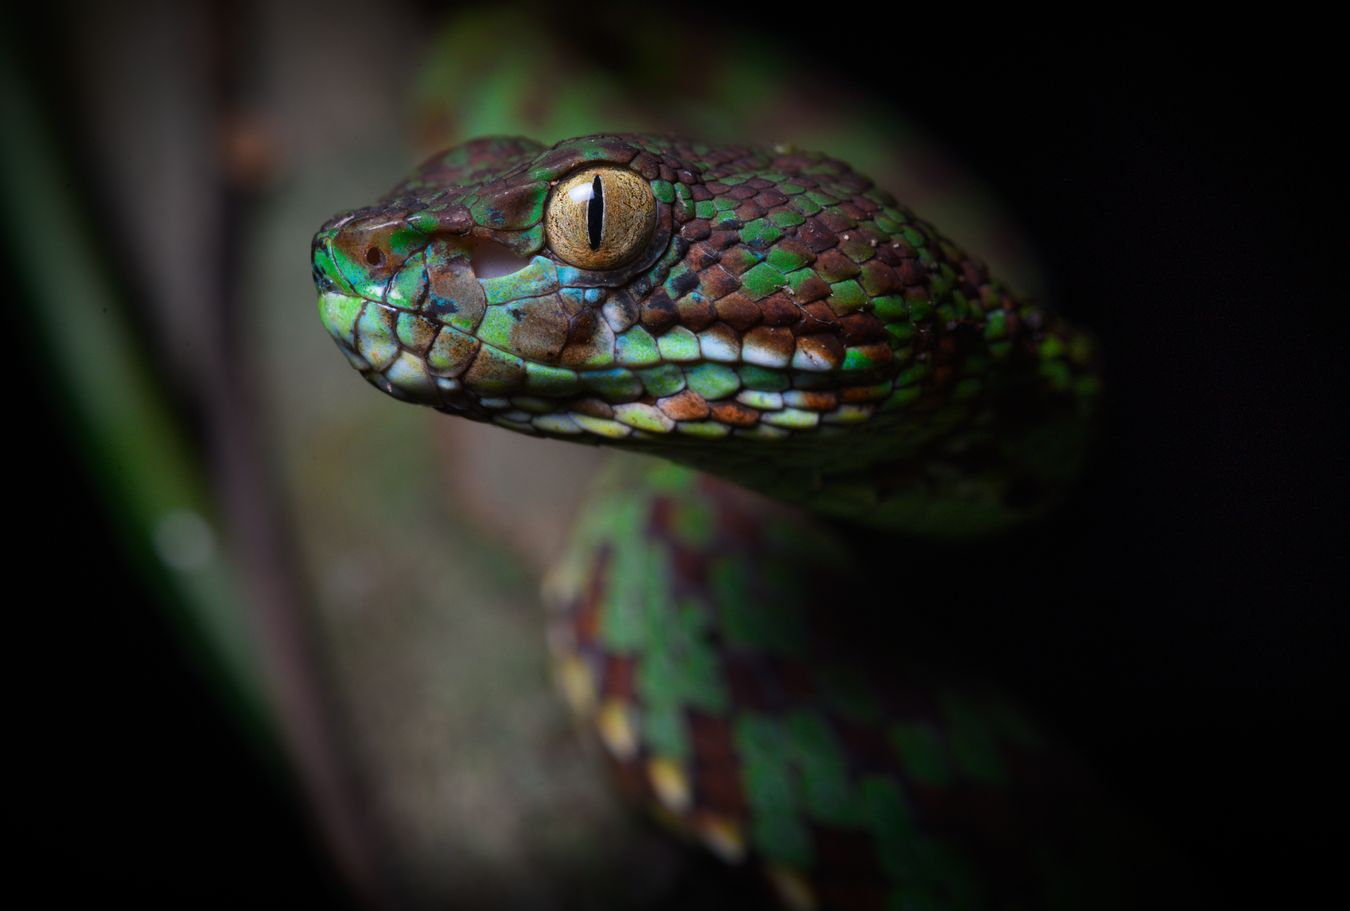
(821, 373)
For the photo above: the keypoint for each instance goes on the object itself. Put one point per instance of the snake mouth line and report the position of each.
(418, 358)
(545, 404)
(450, 380)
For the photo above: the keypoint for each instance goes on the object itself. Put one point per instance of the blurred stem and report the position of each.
(301, 686)
(130, 440)
(216, 543)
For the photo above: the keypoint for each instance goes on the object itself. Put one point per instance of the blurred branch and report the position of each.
(313, 725)
(131, 441)
(240, 603)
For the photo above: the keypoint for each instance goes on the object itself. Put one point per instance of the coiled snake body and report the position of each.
(766, 320)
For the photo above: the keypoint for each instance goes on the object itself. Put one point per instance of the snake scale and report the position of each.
(821, 373)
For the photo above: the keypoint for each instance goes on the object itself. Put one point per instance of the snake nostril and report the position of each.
(375, 256)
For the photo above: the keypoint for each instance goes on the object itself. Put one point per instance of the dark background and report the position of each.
(1187, 194)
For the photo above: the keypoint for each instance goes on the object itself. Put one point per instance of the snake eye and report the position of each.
(600, 217)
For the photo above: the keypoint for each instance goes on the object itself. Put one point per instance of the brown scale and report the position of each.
(790, 245)
(704, 254)
(684, 406)
(620, 310)
(715, 767)
(780, 310)
(858, 246)
(734, 414)
(816, 317)
(813, 289)
(588, 336)
(459, 348)
(659, 313)
(541, 328)
(836, 223)
(855, 394)
(815, 236)
(487, 370)
(695, 314)
(825, 348)
(739, 260)
(889, 254)
(820, 401)
(734, 308)
(586, 612)
(878, 278)
(716, 282)
(423, 335)
(717, 787)
(834, 266)
(454, 289)
(861, 328)
(617, 680)
(723, 333)
(723, 239)
(646, 165)
(596, 408)
(775, 339)
(695, 230)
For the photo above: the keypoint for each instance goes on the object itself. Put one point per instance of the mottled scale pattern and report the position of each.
(721, 647)
(783, 300)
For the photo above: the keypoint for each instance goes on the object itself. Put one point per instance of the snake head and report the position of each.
(628, 283)
(479, 279)
(689, 299)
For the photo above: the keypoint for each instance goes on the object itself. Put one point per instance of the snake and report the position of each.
(823, 382)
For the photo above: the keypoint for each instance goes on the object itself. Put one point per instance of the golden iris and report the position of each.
(600, 217)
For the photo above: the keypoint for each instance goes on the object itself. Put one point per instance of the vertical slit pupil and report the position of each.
(595, 212)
